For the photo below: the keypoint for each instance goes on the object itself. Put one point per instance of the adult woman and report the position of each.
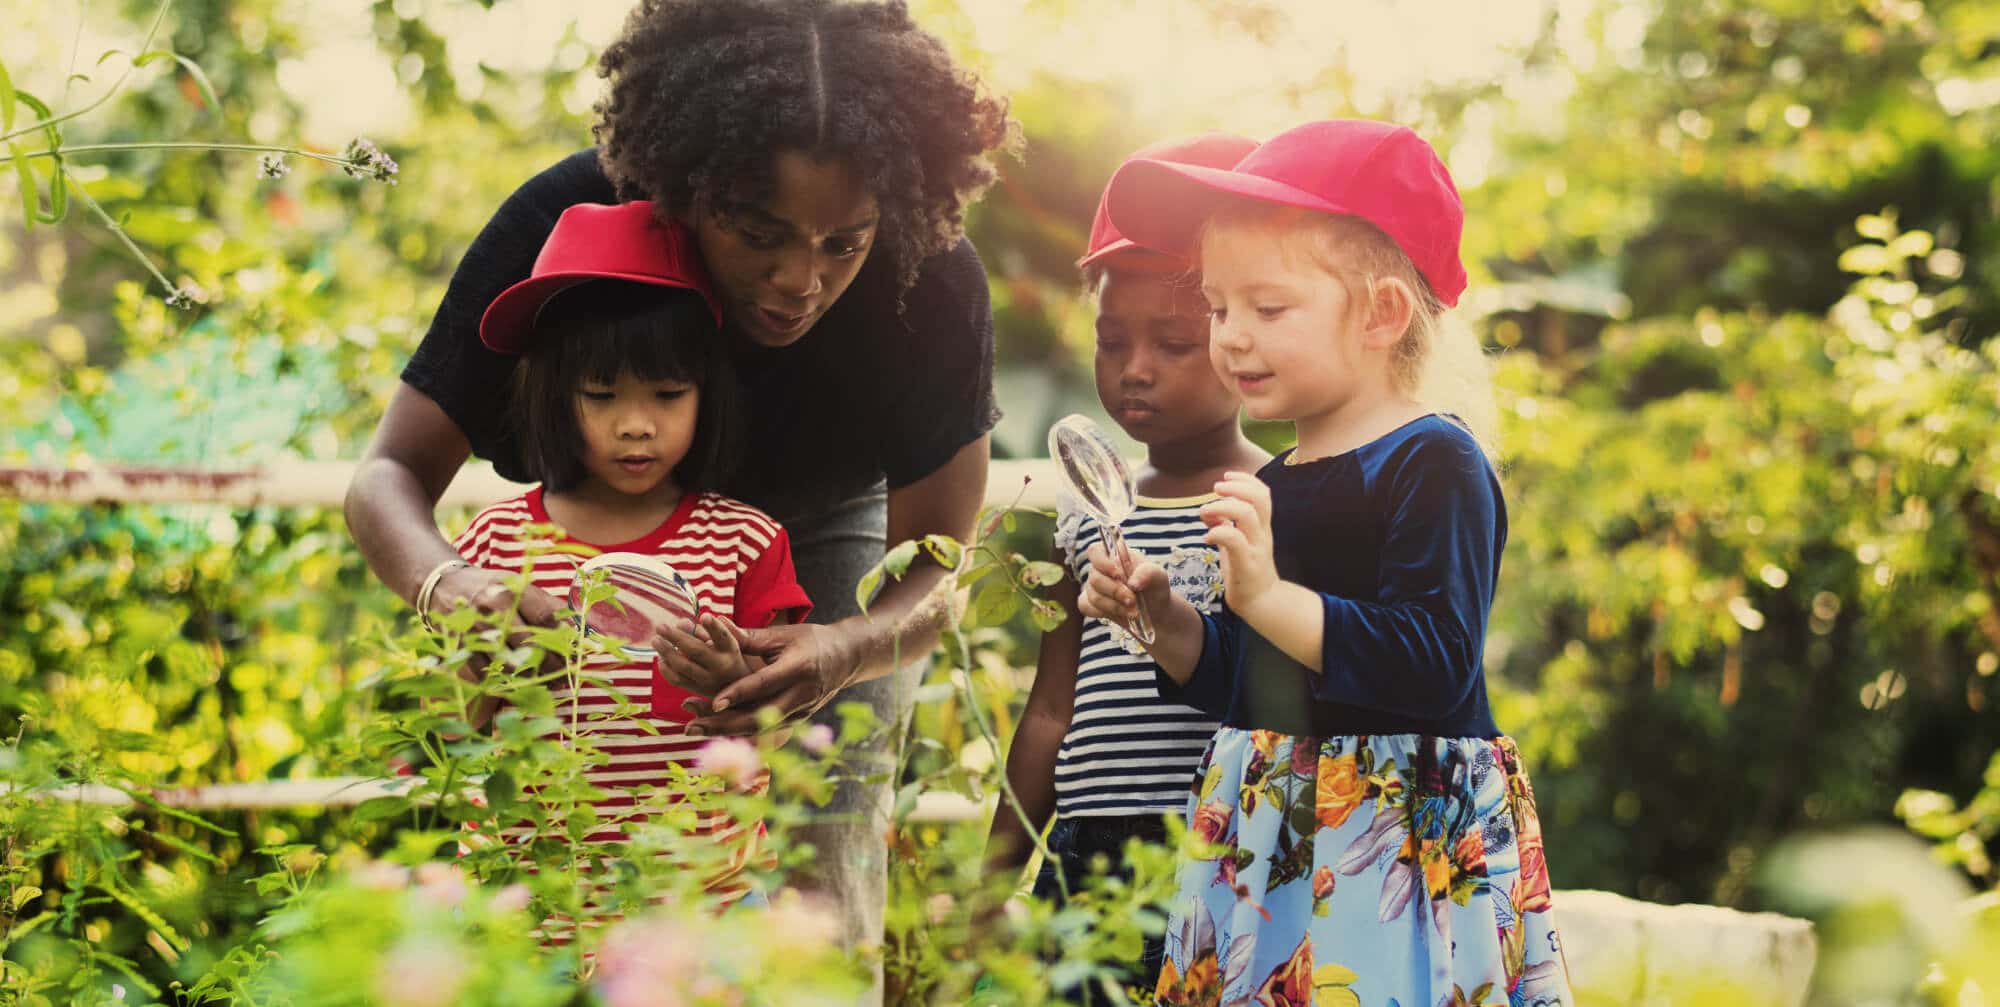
(822, 154)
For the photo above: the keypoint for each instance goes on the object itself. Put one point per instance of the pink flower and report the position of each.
(511, 899)
(647, 962)
(817, 739)
(441, 883)
(381, 876)
(938, 907)
(733, 760)
(420, 972)
(1305, 758)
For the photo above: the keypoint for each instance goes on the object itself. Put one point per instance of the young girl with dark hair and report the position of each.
(623, 405)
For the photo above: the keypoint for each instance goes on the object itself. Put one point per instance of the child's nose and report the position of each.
(636, 424)
(1139, 369)
(1228, 335)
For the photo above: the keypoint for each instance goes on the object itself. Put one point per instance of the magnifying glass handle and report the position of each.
(1114, 544)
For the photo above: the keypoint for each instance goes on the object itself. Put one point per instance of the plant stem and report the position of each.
(116, 86)
(62, 178)
(254, 148)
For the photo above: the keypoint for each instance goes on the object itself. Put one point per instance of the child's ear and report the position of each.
(1391, 305)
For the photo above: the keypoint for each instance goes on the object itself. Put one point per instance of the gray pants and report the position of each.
(832, 546)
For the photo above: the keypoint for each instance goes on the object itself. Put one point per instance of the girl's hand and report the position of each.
(804, 666)
(1239, 524)
(1106, 596)
(704, 663)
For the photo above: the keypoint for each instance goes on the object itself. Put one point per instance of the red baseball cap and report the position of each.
(597, 241)
(1381, 172)
(1209, 150)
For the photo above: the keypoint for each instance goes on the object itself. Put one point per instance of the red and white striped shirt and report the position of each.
(739, 563)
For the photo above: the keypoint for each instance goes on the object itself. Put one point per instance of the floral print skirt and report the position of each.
(1388, 870)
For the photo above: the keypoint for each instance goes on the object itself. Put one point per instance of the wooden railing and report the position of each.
(1028, 483)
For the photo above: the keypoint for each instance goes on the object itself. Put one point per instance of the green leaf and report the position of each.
(906, 800)
(6, 100)
(945, 549)
(1041, 573)
(1868, 260)
(976, 574)
(1910, 244)
(1874, 226)
(501, 790)
(994, 603)
(193, 69)
(377, 808)
(864, 589)
(30, 205)
(897, 562)
(184, 846)
(145, 913)
(1047, 614)
(23, 895)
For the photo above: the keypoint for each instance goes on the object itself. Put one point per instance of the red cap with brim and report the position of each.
(1379, 172)
(595, 241)
(1215, 150)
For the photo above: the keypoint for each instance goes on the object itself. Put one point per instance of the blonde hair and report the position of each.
(1439, 362)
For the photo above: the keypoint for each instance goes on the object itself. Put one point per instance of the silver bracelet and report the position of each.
(430, 587)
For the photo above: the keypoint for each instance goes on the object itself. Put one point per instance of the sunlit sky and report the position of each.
(1186, 69)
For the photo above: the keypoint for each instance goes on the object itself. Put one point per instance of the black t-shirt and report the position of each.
(872, 393)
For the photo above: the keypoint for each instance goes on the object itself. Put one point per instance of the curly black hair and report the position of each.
(703, 94)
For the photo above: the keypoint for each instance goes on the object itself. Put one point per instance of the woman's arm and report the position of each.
(810, 663)
(415, 453)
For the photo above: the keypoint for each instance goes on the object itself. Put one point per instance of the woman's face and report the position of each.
(779, 264)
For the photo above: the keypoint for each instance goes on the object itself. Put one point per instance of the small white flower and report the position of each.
(273, 166)
(366, 160)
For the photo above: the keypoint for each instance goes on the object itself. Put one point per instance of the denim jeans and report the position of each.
(832, 546)
(1076, 842)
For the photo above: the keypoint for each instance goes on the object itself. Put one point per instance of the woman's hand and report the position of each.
(803, 667)
(1239, 525)
(489, 592)
(1105, 595)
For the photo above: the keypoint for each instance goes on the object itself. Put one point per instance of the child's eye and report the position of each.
(1218, 315)
(596, 395)
(757, 238)
(1180, 349)
(1270, 310)
(669, 394)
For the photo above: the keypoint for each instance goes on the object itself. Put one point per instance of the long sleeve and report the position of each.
(1213, 683)
(1416, 649)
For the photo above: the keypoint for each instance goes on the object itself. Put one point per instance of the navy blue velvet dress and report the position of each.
(1370, 837)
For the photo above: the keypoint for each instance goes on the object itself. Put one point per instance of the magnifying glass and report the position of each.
(1097, 477)
(649, 595)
